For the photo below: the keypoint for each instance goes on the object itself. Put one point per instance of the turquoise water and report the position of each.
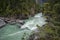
(13, 32)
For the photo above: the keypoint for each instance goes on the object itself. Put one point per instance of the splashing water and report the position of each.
(31, 23)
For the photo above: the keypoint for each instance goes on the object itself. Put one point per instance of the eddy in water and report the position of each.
(31, 23)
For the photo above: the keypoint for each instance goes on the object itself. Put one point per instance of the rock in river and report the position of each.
(2, 23)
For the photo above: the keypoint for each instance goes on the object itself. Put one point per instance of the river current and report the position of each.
(12, 32)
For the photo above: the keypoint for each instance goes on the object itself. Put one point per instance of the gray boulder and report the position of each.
(20, 21)
(2, 23)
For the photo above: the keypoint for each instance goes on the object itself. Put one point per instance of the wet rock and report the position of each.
(2, 23)
(20, 21)
(12, 21)
(2, 18)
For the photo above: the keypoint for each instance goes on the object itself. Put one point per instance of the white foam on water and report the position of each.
(36, 20)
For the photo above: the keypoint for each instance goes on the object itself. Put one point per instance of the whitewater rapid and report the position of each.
(31, 23)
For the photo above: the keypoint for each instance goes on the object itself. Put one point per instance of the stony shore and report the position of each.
(4, 21)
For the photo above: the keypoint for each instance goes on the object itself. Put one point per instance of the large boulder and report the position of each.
(2, 23)
(20, 21)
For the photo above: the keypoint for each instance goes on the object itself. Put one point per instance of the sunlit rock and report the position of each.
(2, 23)
(20, 21)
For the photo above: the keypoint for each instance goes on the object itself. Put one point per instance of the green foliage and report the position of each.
(51, 10)
(16, 7)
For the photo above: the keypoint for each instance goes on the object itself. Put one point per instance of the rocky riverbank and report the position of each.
(4, 21)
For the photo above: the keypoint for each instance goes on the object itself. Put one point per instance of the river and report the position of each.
(12, 32)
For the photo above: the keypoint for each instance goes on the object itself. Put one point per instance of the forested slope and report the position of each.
(16, 8)
(51, 10)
